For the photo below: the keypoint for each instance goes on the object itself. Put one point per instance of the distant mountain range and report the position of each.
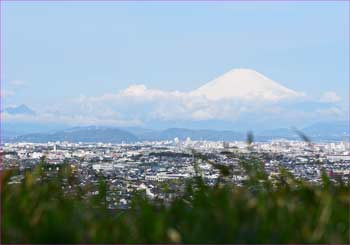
(336, 131)
(80, 134)
(326, 131)
(19, 110)
(183, 133)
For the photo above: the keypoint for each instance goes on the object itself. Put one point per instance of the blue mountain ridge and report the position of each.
(323, 131)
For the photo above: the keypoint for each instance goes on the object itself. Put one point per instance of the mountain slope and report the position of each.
(330, 130)
(89, 134)
(317, 132)
(245, 84)
(19, 110)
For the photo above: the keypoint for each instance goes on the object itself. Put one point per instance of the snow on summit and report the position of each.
(245, 84)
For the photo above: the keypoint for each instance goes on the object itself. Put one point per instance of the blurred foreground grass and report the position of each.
(283, 210)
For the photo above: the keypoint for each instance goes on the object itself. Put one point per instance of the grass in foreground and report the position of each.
(285, 211)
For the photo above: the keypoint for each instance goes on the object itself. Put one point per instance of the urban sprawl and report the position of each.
(147, 166)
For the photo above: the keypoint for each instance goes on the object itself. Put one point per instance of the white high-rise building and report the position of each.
(176, 141)
(188, 141)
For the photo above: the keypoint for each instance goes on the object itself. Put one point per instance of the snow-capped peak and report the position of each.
(245, 84)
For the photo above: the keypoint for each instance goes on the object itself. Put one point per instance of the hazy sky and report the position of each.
(53, 51)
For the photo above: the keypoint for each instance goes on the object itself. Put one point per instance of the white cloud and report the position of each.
(138, 104)
(330, 97)
(332, 112)
(137, 101)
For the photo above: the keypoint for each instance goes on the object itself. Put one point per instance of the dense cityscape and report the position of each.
(149, 166)
(174, 122)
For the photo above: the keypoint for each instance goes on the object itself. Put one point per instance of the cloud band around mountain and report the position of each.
(238, 95)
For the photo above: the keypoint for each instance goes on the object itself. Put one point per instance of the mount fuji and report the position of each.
(245, 84)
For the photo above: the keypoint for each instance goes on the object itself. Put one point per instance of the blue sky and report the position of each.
(56, 51)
